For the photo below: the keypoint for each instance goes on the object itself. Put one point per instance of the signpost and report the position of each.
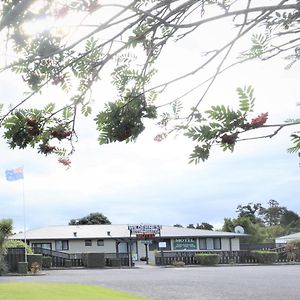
(144, 228)
(145, 232)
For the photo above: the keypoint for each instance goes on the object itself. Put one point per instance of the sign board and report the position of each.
(145, 236)
(185, 244)
(144, 228)
(162, 245)
(147, 242)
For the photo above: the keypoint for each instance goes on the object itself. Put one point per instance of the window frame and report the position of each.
(88, 243)
(100, 243)
(220, 243)
(63, 245)
(205, 244)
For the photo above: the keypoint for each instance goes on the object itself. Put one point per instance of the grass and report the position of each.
(59, 291)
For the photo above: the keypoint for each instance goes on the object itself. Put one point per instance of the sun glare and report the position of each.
(38, 26)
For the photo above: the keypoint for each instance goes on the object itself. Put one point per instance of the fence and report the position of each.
(13, 256)
(59, 258)
(226, 257)
(116, 259)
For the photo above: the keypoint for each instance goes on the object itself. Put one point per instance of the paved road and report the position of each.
(194, 283)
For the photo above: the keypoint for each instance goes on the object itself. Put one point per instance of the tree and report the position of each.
(5, 232)
(177, 225)
(288, 217)
(255, 231)
(126, 45)
(250, 210)
(272, 215)
(91, 219)
(192, 226)
(205, 226)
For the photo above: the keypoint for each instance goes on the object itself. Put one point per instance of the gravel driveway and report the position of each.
(220, 282)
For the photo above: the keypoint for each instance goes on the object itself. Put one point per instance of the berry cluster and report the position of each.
(32, 127)
(60, 133)
(259, 120)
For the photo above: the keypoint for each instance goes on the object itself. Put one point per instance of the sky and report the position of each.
(151, 182)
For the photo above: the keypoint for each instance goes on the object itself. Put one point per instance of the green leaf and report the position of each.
(49, 108)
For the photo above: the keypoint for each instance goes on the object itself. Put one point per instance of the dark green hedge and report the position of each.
(93, 260)
(47, 262)
(207, 258)
(264, 256)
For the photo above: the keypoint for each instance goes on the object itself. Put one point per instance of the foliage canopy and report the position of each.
(126, 46)
(91, 219)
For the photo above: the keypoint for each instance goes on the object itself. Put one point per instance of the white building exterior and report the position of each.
(74, 239)
(283, 240)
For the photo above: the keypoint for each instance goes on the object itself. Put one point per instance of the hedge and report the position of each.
(207, 258)
(264, 256)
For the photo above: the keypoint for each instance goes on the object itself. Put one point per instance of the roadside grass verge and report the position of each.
(59, 291)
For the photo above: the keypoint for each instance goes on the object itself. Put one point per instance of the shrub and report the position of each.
(3, 265)
(34, 258)
(35, 267)
(178, 263)
(207, 258)
(17, 244)
(46, 262)
(22, 267)
(265, 257)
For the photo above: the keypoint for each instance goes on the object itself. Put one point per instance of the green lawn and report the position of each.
(58, 291)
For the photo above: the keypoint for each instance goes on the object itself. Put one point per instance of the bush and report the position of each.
(34, 258)
(265, 257)
(35, 267)
(207, 258)
(93, 260)
(17, 244)
(3, 265)
(178, 263)
(22, 267)
(46, 262)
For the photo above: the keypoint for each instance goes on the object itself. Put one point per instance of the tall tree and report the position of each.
(205, 226)
(127, 43)
(255, 231)
(91, 219)
(273, 213)
(288, 217)
(192, 226)
(250, 210)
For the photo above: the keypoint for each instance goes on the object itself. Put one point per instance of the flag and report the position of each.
(14, 174)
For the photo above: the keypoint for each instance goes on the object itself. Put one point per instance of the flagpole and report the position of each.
(24, 216)
(12, 175)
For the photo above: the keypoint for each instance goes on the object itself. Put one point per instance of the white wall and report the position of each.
(78, 246)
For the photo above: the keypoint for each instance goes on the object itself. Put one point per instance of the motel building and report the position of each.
(137, 241)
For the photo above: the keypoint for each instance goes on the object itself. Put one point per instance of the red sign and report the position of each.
(145, 236)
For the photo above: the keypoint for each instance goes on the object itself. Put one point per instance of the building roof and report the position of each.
(112, 231)
(287, 238)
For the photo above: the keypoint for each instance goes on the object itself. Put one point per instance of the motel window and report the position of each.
(209, 244)
(61, 245)
(42, 245)
(100, 242)
(217, 244)
(88, 243)
(202, 244)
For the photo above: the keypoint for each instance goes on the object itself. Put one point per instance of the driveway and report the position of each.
(220, 282)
